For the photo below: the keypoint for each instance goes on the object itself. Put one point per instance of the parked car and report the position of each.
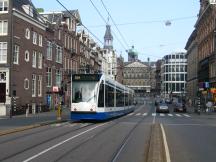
(162, 107)
(168, 100)
(180, 107)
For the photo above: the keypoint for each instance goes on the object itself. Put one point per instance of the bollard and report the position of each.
(27, 110)
(59, 112)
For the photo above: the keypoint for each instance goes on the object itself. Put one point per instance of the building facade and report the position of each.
(39, 52)
(192, 68)
(158, 77)
(139, 76)
(174, 74)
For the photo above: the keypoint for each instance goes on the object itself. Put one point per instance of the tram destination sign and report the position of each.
(86, 77)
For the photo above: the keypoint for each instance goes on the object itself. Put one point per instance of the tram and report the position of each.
(98, 97)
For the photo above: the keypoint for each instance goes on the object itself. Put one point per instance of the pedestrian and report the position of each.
(208, 106)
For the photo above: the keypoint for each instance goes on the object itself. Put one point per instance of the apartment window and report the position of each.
(3, 5)
(34, 59)
(26, 84)
(58, 78)
(40, 60)
(27, 56)
(39, 85)
(3, 27)
(27, 33)
(3, 52)
(40, 39)
(33, 85)
(59, 34)
(16, 54)
(34, 38)
(49, 50)
(48, 76)
(59, 54)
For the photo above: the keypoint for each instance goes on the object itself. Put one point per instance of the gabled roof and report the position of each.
(136, 64)
(25, 6)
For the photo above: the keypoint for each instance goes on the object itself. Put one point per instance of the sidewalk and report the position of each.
(20, 121)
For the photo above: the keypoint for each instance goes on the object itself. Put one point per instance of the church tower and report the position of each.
(108, 38)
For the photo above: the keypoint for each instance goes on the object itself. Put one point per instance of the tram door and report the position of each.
(2, 92)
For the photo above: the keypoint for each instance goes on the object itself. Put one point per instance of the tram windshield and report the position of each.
(84, 91)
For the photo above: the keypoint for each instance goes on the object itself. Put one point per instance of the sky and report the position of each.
(141, 23)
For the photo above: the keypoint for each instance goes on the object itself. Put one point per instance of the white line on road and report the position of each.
(60, 143)
(187, 115)
(170, 114)
(165, 144)
(138, 114)
(153, 114)
(162, 114)
(145, 114)
(178, 115)
(130, 114)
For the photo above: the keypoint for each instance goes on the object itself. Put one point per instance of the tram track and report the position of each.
(44, 141)
(92, 137)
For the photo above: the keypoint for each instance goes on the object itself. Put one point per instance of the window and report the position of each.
(101, 96)
(58, 78)
(40, 60)
(49, 77)
(49, 50)
(3, 52)
(59, 34)
(34, 59)
(59, 54)
(34, 38)
(40, 39)
(26, 84)
(33, 85)
(39, 85)
(28, 10)
(16, 54)
(27, 56)
(27, 33)
(3, 5)
(3, 27)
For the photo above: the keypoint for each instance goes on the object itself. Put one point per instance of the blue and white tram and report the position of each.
(97, 97)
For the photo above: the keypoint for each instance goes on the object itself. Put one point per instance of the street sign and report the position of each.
(55, 89)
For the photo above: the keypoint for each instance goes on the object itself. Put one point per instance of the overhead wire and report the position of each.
(148, 22)
(107, 24)
(81, 22)
(105, 7)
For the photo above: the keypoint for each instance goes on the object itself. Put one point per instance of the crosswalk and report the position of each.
(160, 115)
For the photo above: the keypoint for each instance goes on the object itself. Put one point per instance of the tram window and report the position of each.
(101, 96)
(109, 96)
(119, 98)
(126, 99)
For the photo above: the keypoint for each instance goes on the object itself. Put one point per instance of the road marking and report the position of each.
(187, 115)
(138, 114)
(178, 115)
(170, 114)
(145, 114)
(130, 114)
(153, 114)
(165, 144)
(60, 143)
(162, 114)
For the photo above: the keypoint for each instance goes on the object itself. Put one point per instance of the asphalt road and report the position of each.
(190, 138)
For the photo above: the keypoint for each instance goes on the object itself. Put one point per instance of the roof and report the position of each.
(23, 6)
(55, 17)
(135, 64)
(108, 34)
(132, 52)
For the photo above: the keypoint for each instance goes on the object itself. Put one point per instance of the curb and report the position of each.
(156, 151)
(20, 129)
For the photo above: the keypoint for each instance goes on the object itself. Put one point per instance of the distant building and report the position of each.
(158, 78)
(174, 74)
(192, 68)
(139, 76)
(132, 55)
(109, 53)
